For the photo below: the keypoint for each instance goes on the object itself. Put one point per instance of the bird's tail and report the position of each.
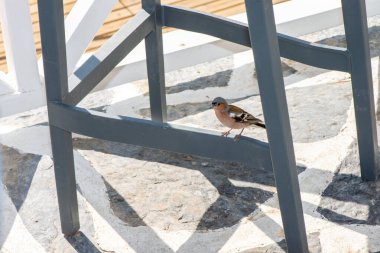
(260, 124)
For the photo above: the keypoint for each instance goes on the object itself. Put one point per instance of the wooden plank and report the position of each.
(153, 134)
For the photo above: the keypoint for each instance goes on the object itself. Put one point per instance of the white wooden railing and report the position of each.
(21, 89)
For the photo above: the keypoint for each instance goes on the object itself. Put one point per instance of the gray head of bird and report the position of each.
(219, 103)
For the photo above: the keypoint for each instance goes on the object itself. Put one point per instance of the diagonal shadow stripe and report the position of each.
(121, 208)
(348, 199)
(82, 244)
(18, 172)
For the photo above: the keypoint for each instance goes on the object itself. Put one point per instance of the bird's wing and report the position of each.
(241, 116)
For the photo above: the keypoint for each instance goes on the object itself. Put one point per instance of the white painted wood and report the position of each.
(81, 25)
(19, 46)
(134, 66)
(5, 84)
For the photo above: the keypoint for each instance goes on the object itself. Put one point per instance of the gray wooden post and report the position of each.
(262, 31)
(155, 63)
(356, 28)
(54, 59)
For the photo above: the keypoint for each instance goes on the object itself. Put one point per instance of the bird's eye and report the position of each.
(218, 104)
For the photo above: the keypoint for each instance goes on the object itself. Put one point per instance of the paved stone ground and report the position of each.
(134, 199)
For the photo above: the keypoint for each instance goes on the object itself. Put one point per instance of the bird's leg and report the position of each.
(225, 134)
(237, 137)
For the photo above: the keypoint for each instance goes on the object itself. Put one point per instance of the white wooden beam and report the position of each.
(19, 46)
(5, 84)
(81, 25)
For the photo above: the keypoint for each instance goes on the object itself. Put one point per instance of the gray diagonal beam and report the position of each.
(109, 55)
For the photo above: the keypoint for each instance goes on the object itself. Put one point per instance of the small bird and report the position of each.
(234, 117)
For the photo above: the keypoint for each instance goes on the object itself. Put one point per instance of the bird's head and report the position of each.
(219, 103)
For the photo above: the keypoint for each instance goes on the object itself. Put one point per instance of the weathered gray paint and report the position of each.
(313, 54)
(262, 30)
(155, 63)
(54, 53)
(170, 137)
(356, 28)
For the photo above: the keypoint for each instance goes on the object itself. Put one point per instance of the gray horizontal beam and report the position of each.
(105, 59)
(312, 54)
(205, 23)
(317, 55)
(147, 133)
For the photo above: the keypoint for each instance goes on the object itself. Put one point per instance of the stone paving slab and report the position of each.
(134, 199)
